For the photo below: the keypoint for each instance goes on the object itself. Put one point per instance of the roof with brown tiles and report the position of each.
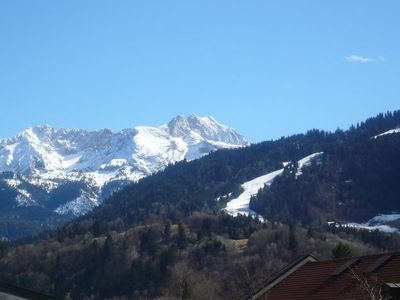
(339, 278)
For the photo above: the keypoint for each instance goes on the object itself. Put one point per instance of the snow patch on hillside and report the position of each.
(24, 199)
(70, 160)
(383, 228)
(306, 161)
(79, 206)
(101, 178)
(376, 223)
(14, 182)
(384, 218)
(240, 205)
(391, 131)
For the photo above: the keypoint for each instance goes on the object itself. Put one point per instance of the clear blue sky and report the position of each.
(266, 68)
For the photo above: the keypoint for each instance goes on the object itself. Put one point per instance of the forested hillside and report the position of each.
(167, 235)
(203, 256)
(355, 179)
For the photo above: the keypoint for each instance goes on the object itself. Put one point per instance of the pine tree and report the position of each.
(3, 248)
(148, 243)
(182, 240)
(341, 250)
(310, 232)
(186, 291)
(293, 242)
(167, 229)
(99, 228)
(108, 247)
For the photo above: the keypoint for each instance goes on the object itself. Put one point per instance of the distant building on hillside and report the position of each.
(366, 277)
(11, 292)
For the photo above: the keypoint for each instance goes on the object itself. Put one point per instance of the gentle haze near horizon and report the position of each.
(265, 68)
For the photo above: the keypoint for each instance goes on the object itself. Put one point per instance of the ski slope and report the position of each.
(391, 131)
(240, 205)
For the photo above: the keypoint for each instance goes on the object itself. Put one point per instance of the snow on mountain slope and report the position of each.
(83, 203)
(384, 218)
(380, 222)
(194, 129)
(391, 131)
(240, 205)
(306, 161)
(47, 157)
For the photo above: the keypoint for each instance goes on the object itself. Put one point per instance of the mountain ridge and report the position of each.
(47, 157)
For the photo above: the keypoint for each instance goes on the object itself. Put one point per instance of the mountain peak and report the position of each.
(206, 127)
(41, 127)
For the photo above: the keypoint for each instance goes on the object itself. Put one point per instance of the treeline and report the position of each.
(202, 256)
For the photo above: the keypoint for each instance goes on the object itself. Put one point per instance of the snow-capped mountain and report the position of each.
(98, 162)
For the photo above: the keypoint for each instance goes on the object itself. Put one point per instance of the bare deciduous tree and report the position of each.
(369, 286)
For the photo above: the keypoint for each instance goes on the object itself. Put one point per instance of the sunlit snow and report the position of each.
(47, 156)
(375, 223)
(391, 131)
(70, 160)
(79, 206)
(240, 205)
(306, 161)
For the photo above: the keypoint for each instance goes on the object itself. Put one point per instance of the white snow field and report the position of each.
(376, 223)
(391, 131)
(240, 205)
(384, 218)
(306, 161)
